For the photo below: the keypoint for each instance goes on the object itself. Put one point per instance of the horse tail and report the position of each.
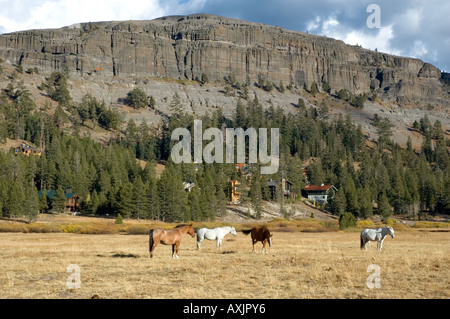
(150, 240)
(362, 242)
(246, 232)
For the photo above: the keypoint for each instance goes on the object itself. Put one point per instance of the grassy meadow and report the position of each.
(308, 259)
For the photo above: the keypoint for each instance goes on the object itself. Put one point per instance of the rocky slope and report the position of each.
(186, 47)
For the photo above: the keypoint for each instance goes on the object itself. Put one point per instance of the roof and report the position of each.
(318, 187)
(26, 146)
(273, 183)
(188, 185)
(52, 193)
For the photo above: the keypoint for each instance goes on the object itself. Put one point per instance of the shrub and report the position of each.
(326, 87)
(366, 223)
(427, 224)
(390, 222)
(137, 230)
(56, 87)
(97, 229)
(137, 98)
(12, 228)
(204, 78)
(71, 228)
(314, 90)
(43, 228)
(119, 220)
(346, 220)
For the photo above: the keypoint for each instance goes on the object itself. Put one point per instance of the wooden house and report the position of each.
(320, 194)
(72, 203)
(27, 150)
(286, 188)
(235, 194)
(188, 186)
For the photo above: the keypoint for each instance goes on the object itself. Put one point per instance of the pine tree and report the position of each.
(14, 200)
(365, 203)
(43, 201)
(315, 173)
(221, 202)
(125, 204)
(173, 197)
(152, 198)
(314, 90)
(59, 201)
(384, 208)
(338, 203)
(326, 87)
(93, 203)
(351, 197)
(240, 117)
(256, 196)
(139, 201)
(31, 203)
(194, 204)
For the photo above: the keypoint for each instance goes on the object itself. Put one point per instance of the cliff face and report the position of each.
(186, 47)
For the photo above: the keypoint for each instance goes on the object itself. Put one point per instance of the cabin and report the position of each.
(235, 194)
(27, 150)
(188, 186)
(286, 188)
(320, 194)
(72, 203)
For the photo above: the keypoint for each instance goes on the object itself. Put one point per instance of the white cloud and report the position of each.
(23, 15)
(367, 38)
(419, 49)
(313, 25)
(380, 41)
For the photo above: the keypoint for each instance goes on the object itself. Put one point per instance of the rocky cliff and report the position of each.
(186, 47)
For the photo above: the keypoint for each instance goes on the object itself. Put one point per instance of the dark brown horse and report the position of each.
(262, 234)
(172, 237)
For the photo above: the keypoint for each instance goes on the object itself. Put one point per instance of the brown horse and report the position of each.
(172, 237)
(261, 234)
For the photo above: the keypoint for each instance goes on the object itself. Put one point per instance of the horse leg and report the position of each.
(264, 249)
(175, 249)
(177, 245)
(198, 244)
(152, 248)
(253, 243)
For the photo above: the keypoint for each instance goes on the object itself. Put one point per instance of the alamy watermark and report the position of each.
(213, 152)
(374, 19)
(374, 279)
(74, 279)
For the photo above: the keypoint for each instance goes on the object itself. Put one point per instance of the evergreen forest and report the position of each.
(381, 179)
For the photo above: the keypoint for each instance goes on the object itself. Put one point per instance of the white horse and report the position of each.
(375, 234)
(216, 234)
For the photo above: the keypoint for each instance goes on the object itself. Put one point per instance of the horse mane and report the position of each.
(182, 225)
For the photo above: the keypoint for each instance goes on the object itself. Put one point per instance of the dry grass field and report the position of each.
(415, 264)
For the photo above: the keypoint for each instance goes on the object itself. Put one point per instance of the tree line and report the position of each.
(383, 179)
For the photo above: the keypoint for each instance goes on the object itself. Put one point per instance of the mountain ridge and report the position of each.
(190, 47)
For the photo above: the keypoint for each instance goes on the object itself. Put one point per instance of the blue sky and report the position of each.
(407, 27)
